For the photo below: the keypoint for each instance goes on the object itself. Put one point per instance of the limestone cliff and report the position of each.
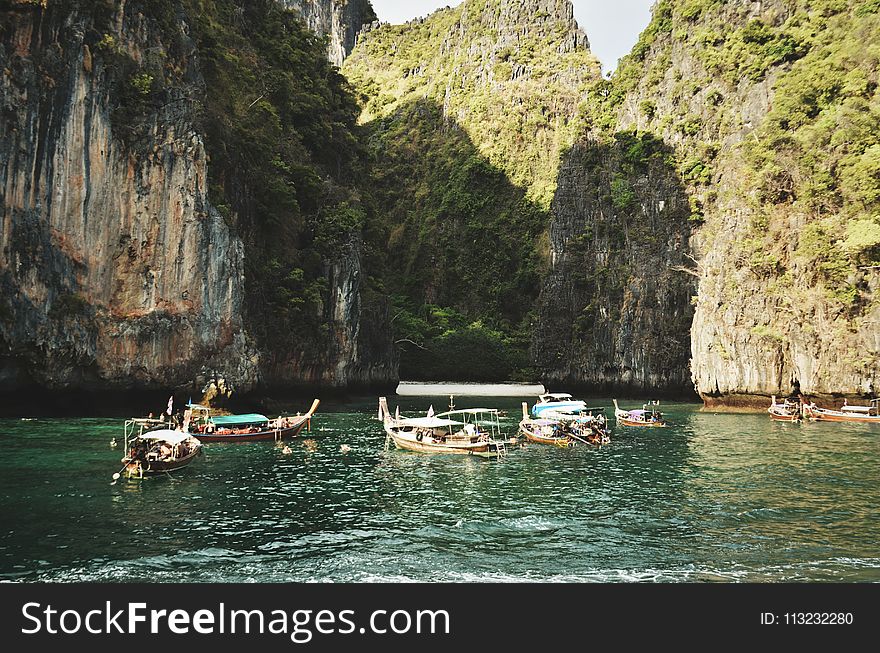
(468, 111)
(341, 21)
(615, 308)
(766, 116)
(116, 268)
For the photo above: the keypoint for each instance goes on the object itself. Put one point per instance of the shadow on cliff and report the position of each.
(461, 258)
(615, 310)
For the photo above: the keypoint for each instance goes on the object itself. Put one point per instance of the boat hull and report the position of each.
(822, 415)
(152, 467)
(625, 421)
(544, 439)
(259, 436)
(785, 418)
(409, 444)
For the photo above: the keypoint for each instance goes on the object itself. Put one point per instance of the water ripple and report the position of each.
(715, 498)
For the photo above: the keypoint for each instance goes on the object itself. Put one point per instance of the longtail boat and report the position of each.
(545, 431)
(847, 413)
(565, 429)
(787, 411)
(251, 427)
(156, 451)
(648, 415)
(469, 431)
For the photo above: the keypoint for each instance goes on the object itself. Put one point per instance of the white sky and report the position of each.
(612, 26)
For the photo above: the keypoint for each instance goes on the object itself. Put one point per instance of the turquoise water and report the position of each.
(715, 498)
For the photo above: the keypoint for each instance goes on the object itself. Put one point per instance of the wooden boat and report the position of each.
(648, 415)
(787, 411)
(251, 427)
(469, 431)
(545, 431)
(565, 429)
(158, 450)
(556, 401)
(847, 413)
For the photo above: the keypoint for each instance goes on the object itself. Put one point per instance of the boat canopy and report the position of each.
(638, 411)
(428, 422)
(172, 437)
(469, 411)
(240, 420)
(856, 409)
(555, 395)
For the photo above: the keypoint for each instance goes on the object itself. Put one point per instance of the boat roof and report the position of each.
(468, 411)
(856, 409)
(172, 437)
(247, 418)
(637, 411)
(556, 395)
(428, 422)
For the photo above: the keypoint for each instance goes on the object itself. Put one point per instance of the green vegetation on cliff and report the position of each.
(772, 114)
(814, 159)
(468, 112)
(286, 164)
(817, 155)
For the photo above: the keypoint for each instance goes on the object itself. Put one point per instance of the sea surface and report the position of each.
(715, 498)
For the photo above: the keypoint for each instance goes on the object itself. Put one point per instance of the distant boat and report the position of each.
(556, 401)
(156, 451)
(787, 411)
(250, 427)
(847, 413)
(468, 431)
(648, 415)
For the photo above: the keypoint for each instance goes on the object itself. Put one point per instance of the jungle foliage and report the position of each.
(467, 118)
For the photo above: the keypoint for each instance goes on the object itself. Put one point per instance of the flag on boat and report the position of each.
(170, 403)
(431, 410)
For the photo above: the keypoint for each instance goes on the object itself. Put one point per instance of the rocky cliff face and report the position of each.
(510, 73)
(116, 269)
(615, 307)
(341, 21)
(763, 142)
(468, 111)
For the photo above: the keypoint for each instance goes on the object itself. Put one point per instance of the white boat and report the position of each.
(556, 401)
(469, 431)
(847, 413)
(789, 410)
(156, 451)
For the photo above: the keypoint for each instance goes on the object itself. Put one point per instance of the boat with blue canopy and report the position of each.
(553, 401)
(247, 427)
